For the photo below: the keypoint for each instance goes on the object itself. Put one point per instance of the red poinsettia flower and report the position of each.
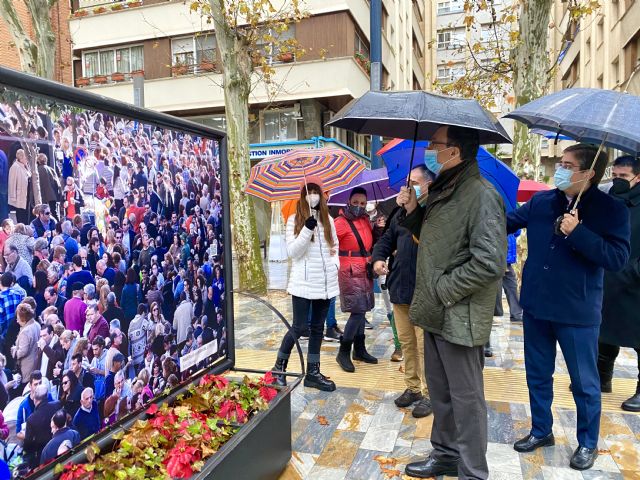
(230, 410)
(267, 379)
(180, 460)
(153, 409)
(72, 471)
(216, 381)
(268, 393)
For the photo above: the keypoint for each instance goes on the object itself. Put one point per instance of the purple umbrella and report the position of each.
(375, 182)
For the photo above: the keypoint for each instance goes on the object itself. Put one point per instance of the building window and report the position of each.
(385, 20)
(108, 61)
(444, 40)
(271, 50)
(193, 50)
(450, 6)
(362, 47)
(279, 125)
(451, 73)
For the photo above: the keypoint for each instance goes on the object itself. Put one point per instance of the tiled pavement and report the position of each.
(357, 432)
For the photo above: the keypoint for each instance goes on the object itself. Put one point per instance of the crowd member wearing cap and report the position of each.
(312, 245)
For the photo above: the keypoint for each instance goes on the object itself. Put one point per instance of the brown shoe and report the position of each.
(397, 356)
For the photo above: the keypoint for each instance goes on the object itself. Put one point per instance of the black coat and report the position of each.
(620, 320)
(56, 354)
(397, 243)
(38, 431)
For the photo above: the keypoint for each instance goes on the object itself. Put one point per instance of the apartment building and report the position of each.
(175, 50)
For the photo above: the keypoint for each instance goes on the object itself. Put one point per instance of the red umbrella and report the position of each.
(528, 187)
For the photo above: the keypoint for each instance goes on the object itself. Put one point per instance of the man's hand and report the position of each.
(407, 199)
(569, 223)
(381, 222)
(380, 267)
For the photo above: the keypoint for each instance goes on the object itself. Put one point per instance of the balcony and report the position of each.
(192, 91)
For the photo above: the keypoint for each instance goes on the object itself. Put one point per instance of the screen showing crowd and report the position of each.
(112, 287)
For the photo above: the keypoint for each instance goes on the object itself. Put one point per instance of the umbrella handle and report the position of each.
(413, 150)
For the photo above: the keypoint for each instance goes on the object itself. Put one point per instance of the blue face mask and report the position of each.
(417, 189)
(562, 178)
(431, 161)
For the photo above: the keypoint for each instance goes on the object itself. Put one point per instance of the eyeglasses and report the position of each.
(46, 213)
(66, 382)
(434, 142)
(569, 166)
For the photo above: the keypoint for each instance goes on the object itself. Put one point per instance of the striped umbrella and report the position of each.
(279, 177)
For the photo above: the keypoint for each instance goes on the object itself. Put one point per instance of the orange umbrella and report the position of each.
(288, 209)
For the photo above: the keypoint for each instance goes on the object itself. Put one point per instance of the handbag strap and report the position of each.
(363, 251)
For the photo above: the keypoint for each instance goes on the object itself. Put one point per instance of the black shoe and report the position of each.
(531, 443)
(516, 319)
(633, 403)
(360, 351)
(431, 468)
(280, 366)
(407, 398)
(314, 379)
(367, 325)
(583, 458)
(605, 387)
(422, 409)
(339, 330)
(306, 334)
(332, 335)
(344, 356)
(488, 351)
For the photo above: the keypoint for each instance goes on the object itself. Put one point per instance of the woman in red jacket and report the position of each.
(356, 285)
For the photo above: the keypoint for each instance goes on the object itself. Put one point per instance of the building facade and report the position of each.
(171, 46)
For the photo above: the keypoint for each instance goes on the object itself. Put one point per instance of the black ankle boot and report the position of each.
(633, 404)
(344, 356)
(314, 379)
(280, 366)
(360, 351)
(605, 370)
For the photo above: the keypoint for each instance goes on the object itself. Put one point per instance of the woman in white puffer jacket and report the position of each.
(312, 245)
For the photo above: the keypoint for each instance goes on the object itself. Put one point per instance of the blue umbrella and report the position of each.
(375, 182)
(590, 115)
(397, 159)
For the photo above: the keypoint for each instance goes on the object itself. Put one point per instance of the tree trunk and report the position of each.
(45, 38)
(530, 64)
(27, 49)
(236, 71)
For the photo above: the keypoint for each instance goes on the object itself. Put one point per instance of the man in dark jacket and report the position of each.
(461, 258)
(620, 326)
(398, 246)
(50, 351)
(113, 311)
(38, 431)
(561, 293)
(61, 434)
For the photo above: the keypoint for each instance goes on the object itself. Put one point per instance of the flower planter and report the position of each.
(207, 66)
(100, 79)
(178, 70)
(82, 82)
(99, 10)
(134, 4)
(258, 449)
(286, 57)
(117, 6)
(117, 77)
(137, 73)
(80, 13)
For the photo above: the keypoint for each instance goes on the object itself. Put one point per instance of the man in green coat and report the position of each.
(461, 259)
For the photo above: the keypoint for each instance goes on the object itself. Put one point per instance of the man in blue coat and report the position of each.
(562, 285)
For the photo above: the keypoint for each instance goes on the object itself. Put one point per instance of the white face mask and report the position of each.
(313, 199)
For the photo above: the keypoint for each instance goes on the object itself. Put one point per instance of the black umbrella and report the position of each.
(416, 115)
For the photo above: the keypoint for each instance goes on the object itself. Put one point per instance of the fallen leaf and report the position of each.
(390, 473)
(385, 460)
(604, 452)
(322, 420)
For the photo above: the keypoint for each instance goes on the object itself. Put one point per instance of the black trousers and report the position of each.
(607, 355)
(301, 307)
(354, 326)
(22, 215)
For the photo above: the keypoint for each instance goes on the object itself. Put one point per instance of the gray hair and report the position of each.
(111, 298)
(90, 291)
(86, 391)
(40, 244)
(41, 393)
(426, 173)
(67, 227)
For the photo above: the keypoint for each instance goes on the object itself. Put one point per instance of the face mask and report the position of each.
(418, 190)
(356, 210)
(431, 160)
(620, 186)
(313, 199)
(562, 178)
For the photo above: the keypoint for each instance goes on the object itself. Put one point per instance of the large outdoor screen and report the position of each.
(129, 298)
